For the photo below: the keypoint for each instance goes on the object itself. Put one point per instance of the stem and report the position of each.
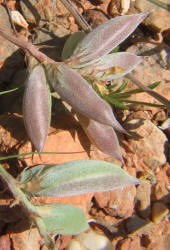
(150, 91)
(160, 4)
(30, 209)
(17, 193)
(30, 48)
(43, 232)
(78, 17)
(10, 18)
(38, 153)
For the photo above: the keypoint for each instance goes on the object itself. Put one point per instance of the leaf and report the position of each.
(80, 95)
(143, 103)
(115, 102)
(36, 107)
(157, 96)
(132, 92)
(74, 178)
(63, 219)
(8, 91)
(111, 87)
(122, 87)
(105, 38)
(71, 43)
(102, 136)
(117, 65)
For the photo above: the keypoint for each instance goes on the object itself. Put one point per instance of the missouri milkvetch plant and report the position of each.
(70, 79)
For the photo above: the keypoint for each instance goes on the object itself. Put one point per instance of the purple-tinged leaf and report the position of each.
(105, 38)
(80, 95)
(102, 136)
(117, 64)
(74, 178)
(36, 107)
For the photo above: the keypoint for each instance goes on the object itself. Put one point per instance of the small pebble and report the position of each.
(90, 240)
(159, 210)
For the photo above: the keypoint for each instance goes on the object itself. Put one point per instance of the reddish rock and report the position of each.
(158, 19)
(129, 244)
(26, 240)
(143, 198)
(160, 190)
(64, 241)
(118, 203)
(5, 243)
(143, 134)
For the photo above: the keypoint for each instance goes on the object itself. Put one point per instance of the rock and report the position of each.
(114, 8)
(63, 241)
(5, 243)
(152, 69)
(90, 240)
(118, 203)
(160, 191)
(147, 141)
(74, 244)
(94, 17)
(10, 58)
(51, 14)
(136, 225)
(26, 239)
(158, 20)
(159, 210)
(157, 237)
(36, 10)
(129, 244)
(138, 115)
(143, 197)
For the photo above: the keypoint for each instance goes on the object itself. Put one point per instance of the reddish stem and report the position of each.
(29, 47)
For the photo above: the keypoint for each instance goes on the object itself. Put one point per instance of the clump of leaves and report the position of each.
(88, 58)
(71, 178)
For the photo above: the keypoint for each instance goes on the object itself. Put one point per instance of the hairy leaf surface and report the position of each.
(80, 95)
(102, 136)
(105, 38)
(75, 177)
(36, 107)
(63, 219)
(124, 61)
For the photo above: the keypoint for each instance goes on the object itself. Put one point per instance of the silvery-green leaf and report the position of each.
(74, 178)
(63, 219)
(71, 43)
(37, 107)
(117, 64)
(102, 136)
(80, 95)
(105, 38)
